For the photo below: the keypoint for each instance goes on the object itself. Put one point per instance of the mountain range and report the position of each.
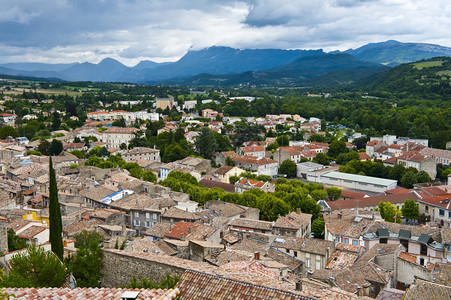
(228, 66)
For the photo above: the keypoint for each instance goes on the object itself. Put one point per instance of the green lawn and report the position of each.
(428, 64)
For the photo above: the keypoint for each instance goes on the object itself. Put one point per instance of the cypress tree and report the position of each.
(56, 226)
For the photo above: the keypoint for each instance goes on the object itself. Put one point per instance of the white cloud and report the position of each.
(134, 30)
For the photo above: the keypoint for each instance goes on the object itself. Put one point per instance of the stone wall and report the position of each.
(3, 236)
(119, 268)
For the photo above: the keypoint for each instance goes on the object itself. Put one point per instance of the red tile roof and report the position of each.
(88, 293)
(228, 187)
(181, 229)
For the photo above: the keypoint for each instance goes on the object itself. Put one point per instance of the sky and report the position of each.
(66, 31)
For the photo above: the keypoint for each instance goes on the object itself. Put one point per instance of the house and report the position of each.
(113, 137)
(437, 208)
(174, 215)
(224, 173)
(249, 225)
(141, 153)
(245, 184)
(209, 183)
(260, 165)
(220, 158)
(164, 103)
(293, 153)
(415, 160)
(294, 224)
(8, 119)
(442, 157)
(257, 151)
(209, 114)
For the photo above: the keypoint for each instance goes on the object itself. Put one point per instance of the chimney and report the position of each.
(299, 285)
(257, 255)
(298, 210)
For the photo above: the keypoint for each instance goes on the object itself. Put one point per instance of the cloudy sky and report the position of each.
(56, 31)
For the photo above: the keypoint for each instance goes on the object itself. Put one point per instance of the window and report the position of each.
(148, 224)
(383, 240)
(308, 263)
(295, 254)
(307, 255)
(423, 249)
(137, 222)
(405, 243)
(441, 212)
(354, 242)
(426, 208)
(136, 214)
(154, 216)
(346, 241)
(318, 257)
(287, 250)
(449, 214)
(337, 239)
(147, 215)
(318, 265)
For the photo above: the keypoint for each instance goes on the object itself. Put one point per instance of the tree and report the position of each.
(410, 210)
(318, 227)
(233, 179)
(283, 141)
(206, 143)
(336, 148)
(333, 193)
(87, 263)
(321, 158)
(422, 177)
(7, 130)
(84, 238)
(56, 147)
(15, 242)
(408, 179)
(56, 122)
(56, 226)
(119, 123)
(44, 147)
(229, 161)
(103, 152)
(389, 212)
(318, 195)
(288, 167)
(397, 172)
(123, 146)
(317, 138)
(149, 176)
(36, 268)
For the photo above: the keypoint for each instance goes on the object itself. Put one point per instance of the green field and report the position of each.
(428, 64)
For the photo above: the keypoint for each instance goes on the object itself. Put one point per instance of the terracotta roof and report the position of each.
(32, 231)
(425, 290)
(252, 149)
(364, 156)
(158, 230)
(390, 294)
(293, 220)
(252, 267)
(223, 170)
(292, 243)
(317, 246)
(197, 285)
(88, 293)
(176, 213)
(228, 187)
(253, 160)
(339, 260)
(407, 257)
(371, 201)
(442, 274)
(251, 224)
(181, 229)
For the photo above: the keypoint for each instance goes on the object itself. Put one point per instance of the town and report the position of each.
(188, 186)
